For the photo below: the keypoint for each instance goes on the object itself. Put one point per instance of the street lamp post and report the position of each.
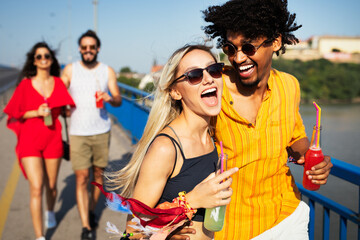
(95, 2)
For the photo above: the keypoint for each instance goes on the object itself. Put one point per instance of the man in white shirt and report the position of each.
(88, 82)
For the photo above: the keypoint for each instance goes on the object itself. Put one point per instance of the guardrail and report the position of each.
(133, 113)
(349, 173)
(7, 85)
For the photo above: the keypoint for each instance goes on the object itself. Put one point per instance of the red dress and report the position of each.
(34, 138)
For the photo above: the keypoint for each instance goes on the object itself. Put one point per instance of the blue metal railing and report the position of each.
(133, 113)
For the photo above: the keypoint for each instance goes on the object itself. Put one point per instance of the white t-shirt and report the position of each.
(86, 119)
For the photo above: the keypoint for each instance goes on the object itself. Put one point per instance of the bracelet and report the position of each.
(181, 201)
(125, 236)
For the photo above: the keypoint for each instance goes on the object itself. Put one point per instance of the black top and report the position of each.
(193, 171)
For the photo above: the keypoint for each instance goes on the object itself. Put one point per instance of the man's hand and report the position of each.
(104, 96)
(180, 233)
(300, 161)
(320, 172)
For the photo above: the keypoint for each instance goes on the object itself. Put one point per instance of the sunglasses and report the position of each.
(195, 76)
(248, 49)
(84, 47)
(46, 56)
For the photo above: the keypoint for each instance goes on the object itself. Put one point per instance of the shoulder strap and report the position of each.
(175, 143)
(212, 139)
(176, 136)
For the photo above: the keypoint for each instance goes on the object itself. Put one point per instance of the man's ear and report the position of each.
(175, 94)
(277, 44)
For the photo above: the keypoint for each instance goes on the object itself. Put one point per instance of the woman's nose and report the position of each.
(207, 78)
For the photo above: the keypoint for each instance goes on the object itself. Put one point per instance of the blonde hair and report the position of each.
(164, 110)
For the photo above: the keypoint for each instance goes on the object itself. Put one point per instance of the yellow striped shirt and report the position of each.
(264, 189)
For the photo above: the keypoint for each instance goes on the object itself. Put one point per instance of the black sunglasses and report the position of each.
(84, 47)
(248, 49)
(195, 76)
(46, 56)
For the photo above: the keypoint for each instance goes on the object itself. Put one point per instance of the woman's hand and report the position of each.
(213, 191)
(65, 111)
(43, 110)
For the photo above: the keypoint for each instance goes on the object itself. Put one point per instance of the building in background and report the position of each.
(151, 77)
(333, 48)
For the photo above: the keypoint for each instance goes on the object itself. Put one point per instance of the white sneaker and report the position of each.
(40, 238)
(50, 220)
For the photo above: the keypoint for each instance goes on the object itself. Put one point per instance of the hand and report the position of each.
(213, 191)
(103, 95)
(65, 111)
(301, 160)
(44, 110)
(320, 172)
(179, 234)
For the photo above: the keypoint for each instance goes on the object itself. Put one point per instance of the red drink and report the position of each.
(100, 102)
(313, 157)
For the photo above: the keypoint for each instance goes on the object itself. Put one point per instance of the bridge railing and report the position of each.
(7, 86)
(133, 113)
(344, 171)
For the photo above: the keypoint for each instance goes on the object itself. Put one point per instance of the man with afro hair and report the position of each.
(260, 125)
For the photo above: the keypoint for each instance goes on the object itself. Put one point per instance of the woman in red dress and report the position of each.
(33, 114)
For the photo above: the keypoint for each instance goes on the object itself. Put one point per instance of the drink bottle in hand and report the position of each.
(48, 119)
(99, 102)
(214, 217)
(313, 157)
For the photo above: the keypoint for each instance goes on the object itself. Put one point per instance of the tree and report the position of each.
(133, 82)
(322, 79)
(150, 87)
(125, 70)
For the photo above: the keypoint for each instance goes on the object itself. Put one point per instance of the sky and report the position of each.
(135, 33)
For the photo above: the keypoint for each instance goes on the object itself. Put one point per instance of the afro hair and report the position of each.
(252, 19)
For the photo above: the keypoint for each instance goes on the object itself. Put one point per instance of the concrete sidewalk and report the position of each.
(17, 223)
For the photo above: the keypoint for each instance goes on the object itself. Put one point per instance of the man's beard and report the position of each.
(249, 85)
(88, 62)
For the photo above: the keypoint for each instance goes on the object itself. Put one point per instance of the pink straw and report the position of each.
(222, 158)
(318, 125)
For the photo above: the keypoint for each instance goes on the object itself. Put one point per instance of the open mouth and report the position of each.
(209, 96)
(88, 54)
(246, 70)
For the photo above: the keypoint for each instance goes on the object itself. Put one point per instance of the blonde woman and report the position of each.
(176, 152)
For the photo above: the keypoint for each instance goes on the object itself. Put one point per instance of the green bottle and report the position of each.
(48, 119)
(214, 218)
